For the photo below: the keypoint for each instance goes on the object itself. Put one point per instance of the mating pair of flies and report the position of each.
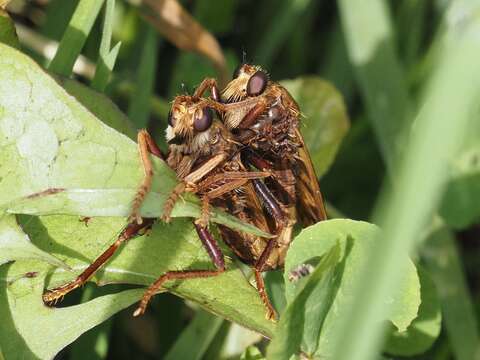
(251, 161)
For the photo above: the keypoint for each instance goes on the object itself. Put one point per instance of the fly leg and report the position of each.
(213, 251)
(178, 190)
(271, 204)
(251, 110)
(223, 183)
(131, 230)
(146, 145)
(206, 84)
(257, 269)
(283, 227)
(205, 214)
(283, 180)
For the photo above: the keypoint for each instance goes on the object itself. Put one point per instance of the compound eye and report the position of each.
(257, 83)
(236, 72)
(203, 122)
(171, 120)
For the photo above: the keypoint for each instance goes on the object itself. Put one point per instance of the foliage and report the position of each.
(67, 151)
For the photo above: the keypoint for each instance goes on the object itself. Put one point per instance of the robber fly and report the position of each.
(207, 161)
(265, 118)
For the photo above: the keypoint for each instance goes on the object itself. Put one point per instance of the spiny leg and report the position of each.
(222, 183)
(256, 106)
(189, 183)
(258, 268)
(206, 84)
(172, 200)
(171, 275)
(270, 203)
(274, 209)
(213, 251)
(146, 145)
(284, 178)
(252, 116)
(270, 314)
(230, 180)
(131, 230)
(205, 213)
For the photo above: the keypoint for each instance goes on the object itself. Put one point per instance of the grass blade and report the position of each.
(453, 94)
(196, 337)
(288, 14)
(368, 33)
(336, 67)
(411, 29)
(7, 30)
(107, 57)
(445, 267)
(139, 109)
(75, 36)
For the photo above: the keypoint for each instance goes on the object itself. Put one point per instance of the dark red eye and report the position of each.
(203, 123)
(236, 72)
(171, 120)
(257, 83)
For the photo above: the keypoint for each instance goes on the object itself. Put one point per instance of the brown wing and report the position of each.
(310, 205)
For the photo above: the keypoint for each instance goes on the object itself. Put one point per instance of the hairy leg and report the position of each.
(146, 145)
(130, 231)
(213, 251)
(206, 84)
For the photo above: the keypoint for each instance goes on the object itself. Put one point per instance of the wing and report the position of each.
(310, 205)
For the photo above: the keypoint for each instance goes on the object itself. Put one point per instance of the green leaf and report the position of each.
(142, 260)
(15, 245)
(94, 344)
(424, 330)
(100, 106)
(325, 122)
(195, 339)
(356, 239)
(50, 142)
(54, 145)
(75, 36)
(252, 353)
(31, 330)
(8, 35)
(300, 324)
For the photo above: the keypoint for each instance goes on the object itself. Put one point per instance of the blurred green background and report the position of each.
(289, 38)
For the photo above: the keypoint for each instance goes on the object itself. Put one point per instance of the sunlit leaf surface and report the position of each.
(334, 287)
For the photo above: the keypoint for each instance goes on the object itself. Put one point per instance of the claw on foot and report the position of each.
(52, 297)
(271, 315)
(135, 216)
(139, 311)
(166, 218)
